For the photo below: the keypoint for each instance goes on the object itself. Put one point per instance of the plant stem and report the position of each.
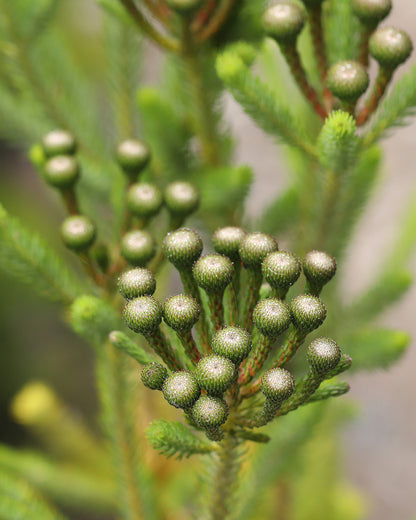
(382, 81)
(217, 21)
(330, 197)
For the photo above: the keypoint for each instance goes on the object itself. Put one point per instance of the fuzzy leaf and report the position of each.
(341, 30)
(327, 391)
(121, 341)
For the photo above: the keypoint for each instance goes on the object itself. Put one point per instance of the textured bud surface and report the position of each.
(390, 47)
(371, 11)
(319, 267)
(277, 384)
(210, 412)
(138, 247)
(233, 343)
(215, 374)
(136, 282)
(281, 269)
(143, 314)
(144, 199)
(181, 389)
(272, 316)
(59, 142)
(181, 198)
(308, 312)
(323, 355)
(78, 232)
(347, 80)
(154, 375)
(133, 155)
(182, 247)
(213, 273)
(254, 249)
(62, 171)
(181, 312)
(284, 21)
(227, 241)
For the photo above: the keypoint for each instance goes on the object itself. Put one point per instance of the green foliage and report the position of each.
(121, 341)
(341, 31)
(173, 439)
(329, 390)
(282, 212)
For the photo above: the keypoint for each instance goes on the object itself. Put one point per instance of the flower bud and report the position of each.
(213, 273)
(390, 47)
(284, 22)
(138, 247)
(319, 268)
(184, 6)
(78, 232)
(347, 80)
(61, 171)
(323, 355)
(371, 12)
(233, 343)
(136, 282)
(143, 315)
(227, 241)
(254, 249)
(133, 156)
(215, 374)
(181, 389)
(144, 199)
(59, 142)
(272, 317)
(210, 412)
(154, 375)
(182, 247)
(308, 312)
(277, 384)
(181, 312)
(181, 198)
(281, 269)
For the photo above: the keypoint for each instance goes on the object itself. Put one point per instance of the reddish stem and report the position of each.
(379, 89)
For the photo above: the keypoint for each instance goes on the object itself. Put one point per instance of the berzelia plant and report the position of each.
(146, 175)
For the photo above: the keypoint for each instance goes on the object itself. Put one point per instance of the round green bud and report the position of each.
(281, 269)
(78, 232)
(254, 249)
(308, 312)
(59, 142)
(182, 247)
(347, 80)
(136, 282)
(181, 389)
(143, 315)
(154, 375)
(181, 312)
(323, 355)
(144, 199)
(181, 198)
(371, 12)
(213, 273)
(390, 47)
(210, 412)
(215, 374)
(233, 343)
(277, 384)
(133, 156)
(272, 317)
(138, 247)
(227, 241)
(319, 268)
(184, 6)
(284, 22)
(61, 171)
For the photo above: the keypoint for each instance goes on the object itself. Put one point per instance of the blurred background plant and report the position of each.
(72, 65)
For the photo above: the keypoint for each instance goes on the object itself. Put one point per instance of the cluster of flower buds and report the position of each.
(230, 336)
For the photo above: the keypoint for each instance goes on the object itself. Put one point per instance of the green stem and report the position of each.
(256, 359)
(254, 279)
(330, 197)
(380, 86)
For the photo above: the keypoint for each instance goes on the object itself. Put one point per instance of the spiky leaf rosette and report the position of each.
(281, 269)
(227, 241)
(181, 312)
(319, 268)
(138, 247)
(154, 375)
(78, 232)
(182, 247)
(61, 171)
(233, 343)
(308, 312)
(133, 156)
(371, 12)
(144, 199)
(181, 389)
(215, 374)
(181, 198)
(136, 282)
(284, 21)
(210, 412)
(213, 273)
(323, 355)
(272, 317)
(255, 247)
(143, 315)
(347, 80)
(59, 142)
(390, 47)
(277, 384)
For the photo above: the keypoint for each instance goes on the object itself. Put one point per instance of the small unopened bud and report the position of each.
(284, 22)
(323, 355)
(62, 171)
(136, 282)
(181, 312)
(272, 317)
(254, 249)
(319, 268)
(154, 375)
(210, 412)
(277, 384)
(78, 232)
(371, 12)
(227, 241)
(281, 269)
(138, 247)
(143, 315)
(181, 198)
(215, 374)
(233, 343)
(390, 47)
(347, 80)
(308, 312)
(182, 247)
(59, 142)
(144, 199)
(181, 389)
(133, 156)
(213, 273)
